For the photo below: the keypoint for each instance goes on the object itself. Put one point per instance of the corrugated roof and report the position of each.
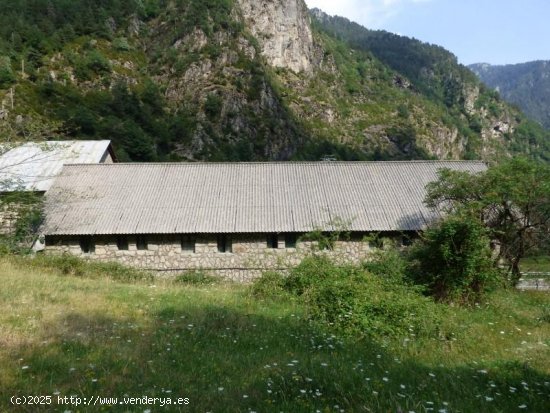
(33, 166)
(242, 197)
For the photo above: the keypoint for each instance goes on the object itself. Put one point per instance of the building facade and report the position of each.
(235, 219)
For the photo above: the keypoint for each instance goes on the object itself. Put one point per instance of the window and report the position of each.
(141, 243)
(224, 243)
(272, 241)
(122, 243)
(188, 244)
(406, 241)
(376, 243)
(290, 241)
(87, 245)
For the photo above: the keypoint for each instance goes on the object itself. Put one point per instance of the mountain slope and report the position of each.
(240, 80)
(526, 85)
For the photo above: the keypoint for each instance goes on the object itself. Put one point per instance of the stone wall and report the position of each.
(250, 254)
(9, 214)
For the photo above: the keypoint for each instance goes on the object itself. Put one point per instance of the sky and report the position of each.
(476, 31)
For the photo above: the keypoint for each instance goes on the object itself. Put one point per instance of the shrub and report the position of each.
(269, 285)
(453, 260)
(311, 271)
(213, 105)
(354, 301)
(388, 263)
(121, 44)
(93, 63)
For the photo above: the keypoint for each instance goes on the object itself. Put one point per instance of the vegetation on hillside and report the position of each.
(186, 80)
(435, 73)
(526, 85)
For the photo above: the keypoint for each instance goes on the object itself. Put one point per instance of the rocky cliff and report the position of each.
(283, 30)
(526, 85)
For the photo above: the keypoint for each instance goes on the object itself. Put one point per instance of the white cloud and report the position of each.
(370, 13)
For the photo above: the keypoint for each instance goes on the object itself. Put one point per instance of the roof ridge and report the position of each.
(275, 163)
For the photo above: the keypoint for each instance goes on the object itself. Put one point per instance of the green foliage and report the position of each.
(7, 76)
(213, 105)
(453, 260)
(91, 64)
(71, 265)
(121, 44)
(525, 84)
(269, 285)
(196, 278)
(26, 208)
(353, 300)
(388, 263)
(511, 199)
(44, 26)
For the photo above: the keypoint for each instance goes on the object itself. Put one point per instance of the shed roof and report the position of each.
(242, 197)
(33, 166)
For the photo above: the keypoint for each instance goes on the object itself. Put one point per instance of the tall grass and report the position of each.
(230, 351)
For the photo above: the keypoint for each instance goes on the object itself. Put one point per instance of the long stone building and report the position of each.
(234, 219)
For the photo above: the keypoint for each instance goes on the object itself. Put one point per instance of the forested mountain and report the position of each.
(526, 85)
(242, 80)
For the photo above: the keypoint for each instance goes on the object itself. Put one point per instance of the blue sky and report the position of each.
(489, 31)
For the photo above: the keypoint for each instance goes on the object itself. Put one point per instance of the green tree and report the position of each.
(511, 199)
(453, 260)
(6, 73)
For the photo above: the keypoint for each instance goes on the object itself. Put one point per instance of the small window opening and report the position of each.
(406, 241)
(122, 243)
(141, 243)
(272, 241)
(290, 241)
(376, 243)
(87, 245)
(224, 243)
(188, 244)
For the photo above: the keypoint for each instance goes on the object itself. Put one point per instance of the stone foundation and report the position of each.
(250, 255)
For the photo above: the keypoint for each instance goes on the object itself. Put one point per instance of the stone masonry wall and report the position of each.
(250, 254)
(8, 219)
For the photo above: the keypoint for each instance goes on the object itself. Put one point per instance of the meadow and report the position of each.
(70, 329)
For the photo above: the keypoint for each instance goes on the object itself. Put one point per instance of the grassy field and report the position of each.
(536, 264)
(226, 351)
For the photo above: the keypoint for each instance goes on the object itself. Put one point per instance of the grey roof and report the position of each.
(33, 166)
(242, 197)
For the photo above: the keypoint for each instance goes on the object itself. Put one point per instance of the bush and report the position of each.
(387, 263)
(269, 285)
(121, 44)
(92, 64)
(453, 260)
(311, 272)
(354, 301)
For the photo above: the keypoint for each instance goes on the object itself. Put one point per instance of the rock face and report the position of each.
(526, 85)
(283, 31)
